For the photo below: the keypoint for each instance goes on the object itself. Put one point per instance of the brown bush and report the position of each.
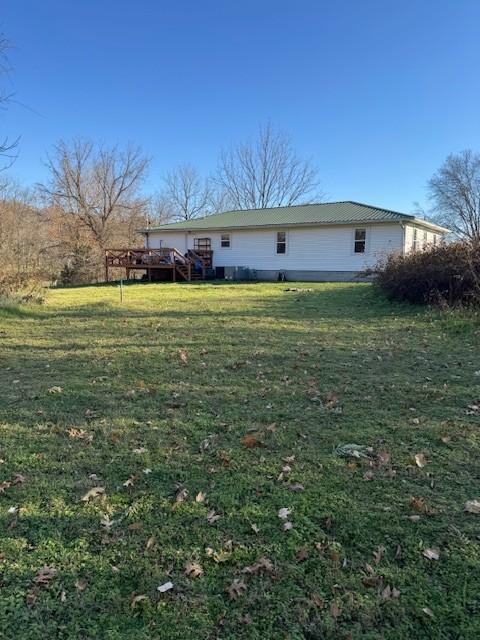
(444, 275)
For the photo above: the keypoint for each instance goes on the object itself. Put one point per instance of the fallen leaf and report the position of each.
(472, 506)
(236, 589)
(378, 554)
(181, 494)
(93, 493)
(130, 482)
(137, 599)
(200, 497)
(55, 390)
(166, 586)
(139, 450)
(193, 570)
(250, 442)
(390, 593)
(302, 554)
(264, 564)
(150, 543)
(254, 527)
(295, 486)
(420, 460)
(383, 458)
(45, 576)
(335, 610)
(318, 601)
(428, 612)
(212, 517)
(284, 513)
(431, 554)
(287, 526)
(63, 596)
(80, 585)
(183, 353)
(368, 475)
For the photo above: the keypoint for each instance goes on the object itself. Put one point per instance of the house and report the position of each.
(329, 241)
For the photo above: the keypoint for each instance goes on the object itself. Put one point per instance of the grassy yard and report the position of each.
(201, 425)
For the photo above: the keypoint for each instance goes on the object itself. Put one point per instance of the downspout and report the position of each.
(147, 240)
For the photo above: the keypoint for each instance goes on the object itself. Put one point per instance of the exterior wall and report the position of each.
(425, 237)
(318, 249)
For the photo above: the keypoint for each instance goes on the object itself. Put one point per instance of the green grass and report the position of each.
(260, 362)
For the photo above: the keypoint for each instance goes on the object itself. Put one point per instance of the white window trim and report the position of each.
(229, 239)
(368, 233)
(287, 243)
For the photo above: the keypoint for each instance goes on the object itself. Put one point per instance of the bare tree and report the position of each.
(7, 145)
(266, 172)
(97, 185)
(455, 193)
(187, 193)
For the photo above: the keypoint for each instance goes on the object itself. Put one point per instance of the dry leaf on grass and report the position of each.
(378, 554)
(200, 497)
(335, 610)
(472, 506)
(420, 460)
(55, 390)
(264, 564)
(284, 513)
(166, 586)
(150, 543)
(302, 554)
(183, 353)
(45, 576)
(254, 527)
(212, 517)
(250, 442)
(93, 493)
(193, 570)
(431, 554)
(428, 612)
(390, 593)
(80, 585)
(130, 482)
(181, 494)
(296, 486)
(236, 589)
(137, 599)
(287, 526)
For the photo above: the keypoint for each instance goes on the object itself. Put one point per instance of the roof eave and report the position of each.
(281, 225)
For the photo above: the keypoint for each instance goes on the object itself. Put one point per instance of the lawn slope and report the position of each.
(195, 434)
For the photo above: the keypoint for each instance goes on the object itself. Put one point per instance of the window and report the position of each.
(435, 239)
(415, 240)
(281, 242)
(225, 240)
(202, 244)
(360, 239)
(425, 239)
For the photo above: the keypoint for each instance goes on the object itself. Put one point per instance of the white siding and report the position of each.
(327, 248)
(425, 237)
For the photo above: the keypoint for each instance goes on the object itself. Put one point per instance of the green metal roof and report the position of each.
(304, 214)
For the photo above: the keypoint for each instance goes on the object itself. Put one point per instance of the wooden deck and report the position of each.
(160, 263)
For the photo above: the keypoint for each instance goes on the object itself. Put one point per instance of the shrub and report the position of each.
(444, 275)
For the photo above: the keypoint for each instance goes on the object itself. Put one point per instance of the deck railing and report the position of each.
(161, 258)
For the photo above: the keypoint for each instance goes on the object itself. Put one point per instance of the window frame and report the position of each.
(415, 240)
(197, 248)
(281, 242)
(227, 246)
(365, 241)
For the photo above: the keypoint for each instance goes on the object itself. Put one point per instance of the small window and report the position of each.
(415, 240)
(425, 239)
(202, 244)
(435, 239)
(281, 242)
(225, 240)
(360, 239)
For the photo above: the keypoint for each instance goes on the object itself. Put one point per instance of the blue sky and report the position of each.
(377, 92)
